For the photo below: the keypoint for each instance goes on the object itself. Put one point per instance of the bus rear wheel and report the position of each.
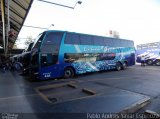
(124, 66)
(118, 66)
(69, 72)
(149, 62)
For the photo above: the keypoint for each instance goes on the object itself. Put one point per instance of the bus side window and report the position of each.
(86, 40)
(54, 58)
(98, 41)
(69, 58)
(43, 60)
(72, 39)
(49, 59)
(106, 56)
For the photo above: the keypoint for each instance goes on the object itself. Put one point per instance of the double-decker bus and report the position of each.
(150, 52)
(66, 54)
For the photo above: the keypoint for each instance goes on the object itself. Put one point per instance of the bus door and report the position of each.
(49, 65)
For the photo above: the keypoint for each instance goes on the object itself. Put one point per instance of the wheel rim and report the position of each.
(124, 66)
(68, 73)
(118, 66)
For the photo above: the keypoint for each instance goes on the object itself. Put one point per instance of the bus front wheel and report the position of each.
(69, 72)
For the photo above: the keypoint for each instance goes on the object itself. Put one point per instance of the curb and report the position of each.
(136, 106)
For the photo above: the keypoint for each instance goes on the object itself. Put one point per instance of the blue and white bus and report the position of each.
(66, 54)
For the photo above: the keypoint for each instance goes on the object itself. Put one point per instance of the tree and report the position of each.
(15, 46)
(17, 42)
(23, 42)
(28, 40)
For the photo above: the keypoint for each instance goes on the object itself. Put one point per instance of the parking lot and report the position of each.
(135, 89)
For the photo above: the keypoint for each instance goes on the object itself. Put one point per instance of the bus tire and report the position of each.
(124, 66)
(149, 62)
(69, 72)
(118, 66)
(157, 62)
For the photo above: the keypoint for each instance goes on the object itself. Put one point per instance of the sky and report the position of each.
(137, 20)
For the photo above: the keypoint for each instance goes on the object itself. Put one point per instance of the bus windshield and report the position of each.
(52, 41)
(50, 48)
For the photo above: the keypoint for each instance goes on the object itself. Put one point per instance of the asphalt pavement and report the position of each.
(135, 89)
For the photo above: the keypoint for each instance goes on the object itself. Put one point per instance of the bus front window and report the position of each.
(50, 48)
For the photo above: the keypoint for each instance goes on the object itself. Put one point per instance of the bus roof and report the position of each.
(86, 34)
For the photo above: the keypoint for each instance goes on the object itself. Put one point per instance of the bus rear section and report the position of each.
(66, 54)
